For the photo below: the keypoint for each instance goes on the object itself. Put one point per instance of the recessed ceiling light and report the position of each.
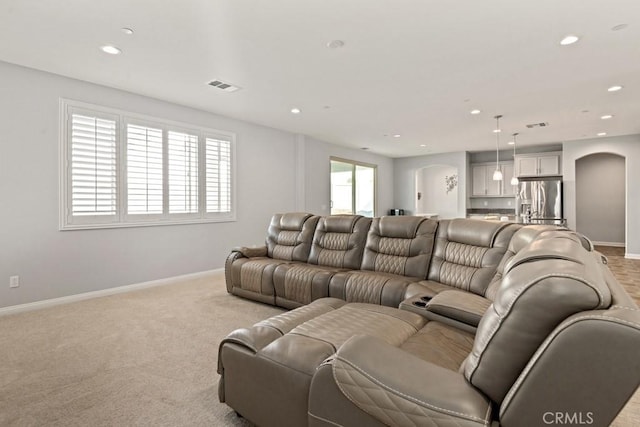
(497, 130)
(335, 44)
(614, 88)
(475, 111)
(619, 27)
(602, 134)
(127, 31)
(423, 145)
(606, 117)
(570, 39)
(397, 135)
(296, 111)
(111, 50)
(511, 143)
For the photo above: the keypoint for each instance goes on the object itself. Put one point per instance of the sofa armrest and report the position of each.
(247, 252)
(390, 385)
(462, 306)
(237, 253)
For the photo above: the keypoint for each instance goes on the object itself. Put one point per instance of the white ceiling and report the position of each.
(409, 67)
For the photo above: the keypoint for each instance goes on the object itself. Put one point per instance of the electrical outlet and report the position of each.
(509, 203)
(14, 281)
(485, 203)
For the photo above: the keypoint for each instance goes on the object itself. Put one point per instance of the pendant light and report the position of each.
(514, 178)
(497, 174)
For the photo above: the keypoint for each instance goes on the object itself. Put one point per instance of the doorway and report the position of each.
(437, 191)
(601, 198)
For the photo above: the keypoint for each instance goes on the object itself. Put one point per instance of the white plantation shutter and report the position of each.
(93, 183)
(218, 180)
(144, 170)
(121, 169)
(183, 172)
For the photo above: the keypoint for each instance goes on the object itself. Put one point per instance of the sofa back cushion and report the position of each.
(400, 245)
(550, 279)
(289, 236)
(339, 241)
(467, 252)
(520, 240)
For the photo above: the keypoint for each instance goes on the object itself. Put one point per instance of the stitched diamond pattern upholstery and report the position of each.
(335, 241)
(457, 275)
(392, 407)
(297, 283)
(290, 235)
(287, 238)
(330, 257)
(400, 245)
(337, 244)
(364, 288)
(466, 254)
(339, 241)
(394, 246)
(251, 274)
(459, 253)
(283, 252)
(390, 264)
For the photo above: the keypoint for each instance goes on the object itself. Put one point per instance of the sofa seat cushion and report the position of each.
(370, 287)
(440, 344)
(296, 284)
(388, 324)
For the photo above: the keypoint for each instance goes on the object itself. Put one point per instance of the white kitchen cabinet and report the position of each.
(540, 164)
(483, 183)
(508, 171)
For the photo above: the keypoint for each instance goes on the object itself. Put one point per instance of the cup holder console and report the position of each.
(422, 302)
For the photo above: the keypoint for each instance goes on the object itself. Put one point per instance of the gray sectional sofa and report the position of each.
(411, 321)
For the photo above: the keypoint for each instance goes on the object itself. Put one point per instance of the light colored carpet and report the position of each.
(145, 358)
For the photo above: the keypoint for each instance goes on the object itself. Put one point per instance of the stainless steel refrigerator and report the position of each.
(539, 200)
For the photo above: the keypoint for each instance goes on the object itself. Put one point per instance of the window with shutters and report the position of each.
(120, 169)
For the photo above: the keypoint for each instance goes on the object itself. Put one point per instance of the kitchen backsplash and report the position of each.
(493, 203)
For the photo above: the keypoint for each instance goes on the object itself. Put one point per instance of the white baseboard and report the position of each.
(13, 309)
(632, 256)
(614, 244)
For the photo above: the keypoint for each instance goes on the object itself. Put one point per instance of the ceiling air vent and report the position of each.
(227, 87)
(538, 125)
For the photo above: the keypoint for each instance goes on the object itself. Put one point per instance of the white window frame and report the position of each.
(67, 221)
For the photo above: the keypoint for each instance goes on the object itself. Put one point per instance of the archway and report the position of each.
(601, 198)
(437, 191)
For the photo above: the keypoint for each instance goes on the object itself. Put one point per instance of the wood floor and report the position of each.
(627, 271)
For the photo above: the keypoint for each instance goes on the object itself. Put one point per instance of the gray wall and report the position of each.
(600, 197)
(317, 170)
(51, 263)
(626, 146)
(404, 183)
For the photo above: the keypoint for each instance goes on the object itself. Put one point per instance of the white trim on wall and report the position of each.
(21, 308)
(632, 256)
(613, 244)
